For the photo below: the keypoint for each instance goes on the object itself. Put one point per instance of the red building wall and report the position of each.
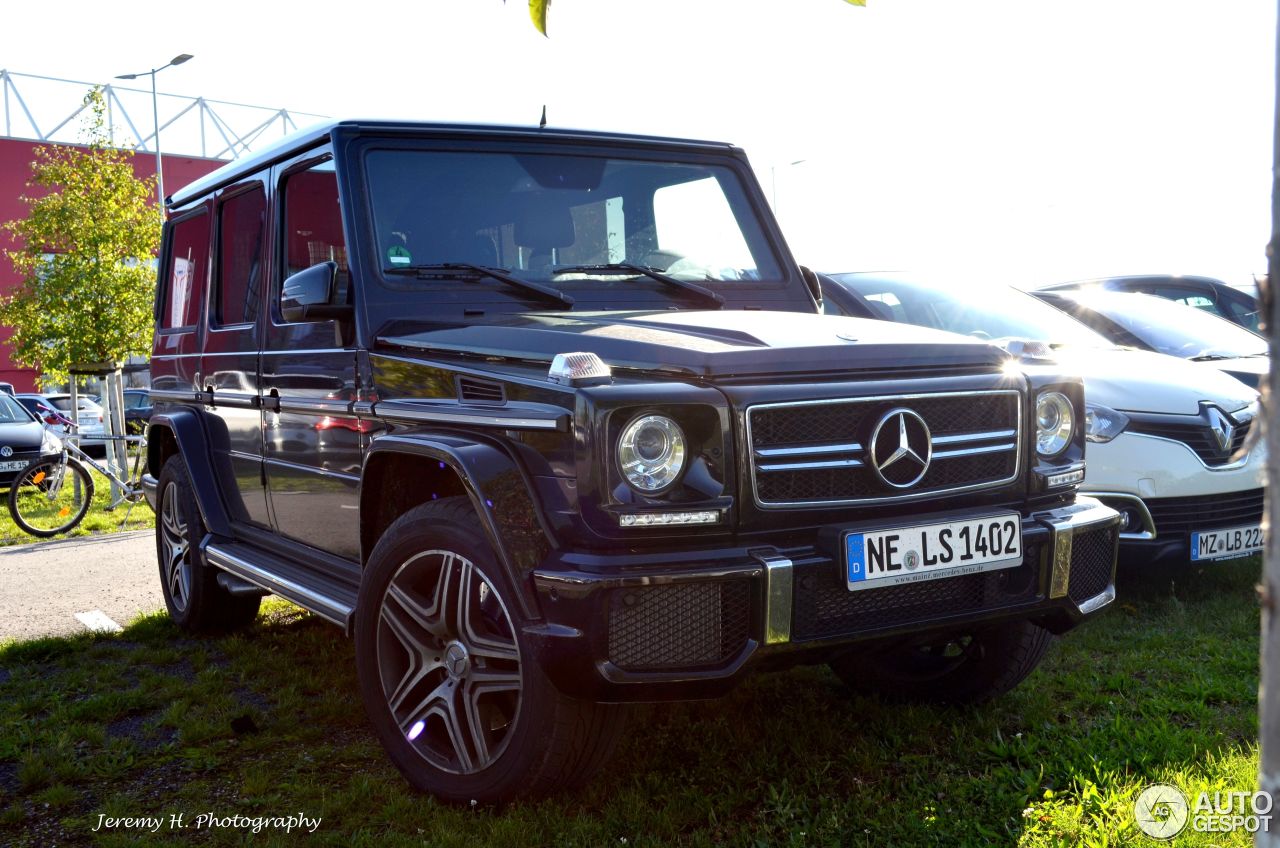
(16, 156)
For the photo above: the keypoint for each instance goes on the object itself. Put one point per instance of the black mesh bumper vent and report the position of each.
(1092, 558)
(825, 608)
(680, 626)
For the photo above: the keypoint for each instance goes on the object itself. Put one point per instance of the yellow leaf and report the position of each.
(538, 11)
(856, 2)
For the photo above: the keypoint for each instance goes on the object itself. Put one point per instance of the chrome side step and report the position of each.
(327, 598)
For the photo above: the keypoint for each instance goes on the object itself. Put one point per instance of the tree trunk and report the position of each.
(1269, 693)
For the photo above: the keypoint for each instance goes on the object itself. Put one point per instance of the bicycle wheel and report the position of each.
(49, 497)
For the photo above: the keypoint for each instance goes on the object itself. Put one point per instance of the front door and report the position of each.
(312, 444)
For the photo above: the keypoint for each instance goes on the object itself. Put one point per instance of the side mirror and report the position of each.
(306, 295)
(815, 287)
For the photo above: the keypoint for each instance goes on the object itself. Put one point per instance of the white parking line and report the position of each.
(98, 621)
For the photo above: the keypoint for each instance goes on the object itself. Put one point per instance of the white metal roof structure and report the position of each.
(46, 109)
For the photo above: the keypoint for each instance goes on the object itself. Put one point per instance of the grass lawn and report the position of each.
(97, 520)
(267, 723)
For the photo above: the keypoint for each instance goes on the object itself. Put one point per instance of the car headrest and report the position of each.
(543, 224)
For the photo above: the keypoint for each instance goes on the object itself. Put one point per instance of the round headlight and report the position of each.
(651, 453)
(1055, 421)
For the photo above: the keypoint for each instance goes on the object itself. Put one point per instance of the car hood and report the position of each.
(1140, 381)
(707, 344)
(24, 436)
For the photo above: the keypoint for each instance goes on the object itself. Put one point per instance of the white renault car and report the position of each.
(1169, 441)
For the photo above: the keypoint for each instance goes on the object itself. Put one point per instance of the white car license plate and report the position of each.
(1226, 544)
(14, 465)
(932, 551)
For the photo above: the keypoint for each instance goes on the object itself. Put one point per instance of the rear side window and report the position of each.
(185, 274)
(240, 231)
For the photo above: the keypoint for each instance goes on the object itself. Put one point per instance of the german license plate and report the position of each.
(1226, 544)
(13, 465)
(932, 551)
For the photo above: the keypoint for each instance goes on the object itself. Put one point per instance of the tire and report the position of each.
(451, 684)
(191, 592)
(49, 498)
(962, 669)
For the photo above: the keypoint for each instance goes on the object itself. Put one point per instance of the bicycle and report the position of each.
(53, 494)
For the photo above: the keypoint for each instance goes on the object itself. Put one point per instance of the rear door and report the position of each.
(229, 366)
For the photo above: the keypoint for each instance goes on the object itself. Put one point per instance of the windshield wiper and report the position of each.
(426, 271)
(1212, 357)
(613, 268)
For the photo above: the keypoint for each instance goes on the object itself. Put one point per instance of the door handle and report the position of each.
(271, 401)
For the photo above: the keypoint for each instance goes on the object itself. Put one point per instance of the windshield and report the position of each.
(987, 312)
(11, 412)
(534, 215)
(1172, 328)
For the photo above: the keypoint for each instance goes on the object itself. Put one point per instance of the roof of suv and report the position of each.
(308, 137)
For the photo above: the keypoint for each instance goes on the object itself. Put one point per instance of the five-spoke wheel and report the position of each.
(448, 661)
(175, 567)
(451, 683)
(191, 591)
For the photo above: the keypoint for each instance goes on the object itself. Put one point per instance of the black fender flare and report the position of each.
(500, 491)
(193, 444)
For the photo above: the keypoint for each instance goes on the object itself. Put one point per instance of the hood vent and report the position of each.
(472, 390)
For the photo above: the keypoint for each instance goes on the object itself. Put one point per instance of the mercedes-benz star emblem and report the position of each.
(456, 660)
(900, 448)
(6, 451)
(1223, 428)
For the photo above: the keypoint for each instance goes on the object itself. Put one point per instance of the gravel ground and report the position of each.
(44, 585)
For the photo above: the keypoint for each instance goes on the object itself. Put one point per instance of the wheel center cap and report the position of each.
(457, 662)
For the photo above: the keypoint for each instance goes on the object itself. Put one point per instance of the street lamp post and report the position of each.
(155, 116)
(773, 180)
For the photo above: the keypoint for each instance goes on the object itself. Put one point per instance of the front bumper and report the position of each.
(1164, 492)
(679, 625)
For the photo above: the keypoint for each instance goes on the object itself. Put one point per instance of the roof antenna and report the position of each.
(543, 122)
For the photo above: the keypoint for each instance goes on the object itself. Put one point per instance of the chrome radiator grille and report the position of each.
(842, 451)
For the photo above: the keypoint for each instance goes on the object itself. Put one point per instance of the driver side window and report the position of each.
(313, 224)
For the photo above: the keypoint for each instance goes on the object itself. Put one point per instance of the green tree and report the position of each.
(86, 246)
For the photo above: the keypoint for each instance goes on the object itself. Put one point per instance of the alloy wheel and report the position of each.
(173, 538)
(449, 662)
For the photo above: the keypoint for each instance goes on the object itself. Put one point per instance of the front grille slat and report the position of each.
(815, 453)
(1209, 512)
(1198, 437)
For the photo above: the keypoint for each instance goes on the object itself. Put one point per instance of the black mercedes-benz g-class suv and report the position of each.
(549, 422)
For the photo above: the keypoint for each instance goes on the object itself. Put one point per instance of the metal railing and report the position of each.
(45, 109)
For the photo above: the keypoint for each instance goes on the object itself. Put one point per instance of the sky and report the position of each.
(1024, 140)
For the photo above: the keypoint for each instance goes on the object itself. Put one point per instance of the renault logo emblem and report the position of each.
(1222, 427)
(900, 448)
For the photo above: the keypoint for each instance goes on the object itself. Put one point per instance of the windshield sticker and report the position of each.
(398, 255)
